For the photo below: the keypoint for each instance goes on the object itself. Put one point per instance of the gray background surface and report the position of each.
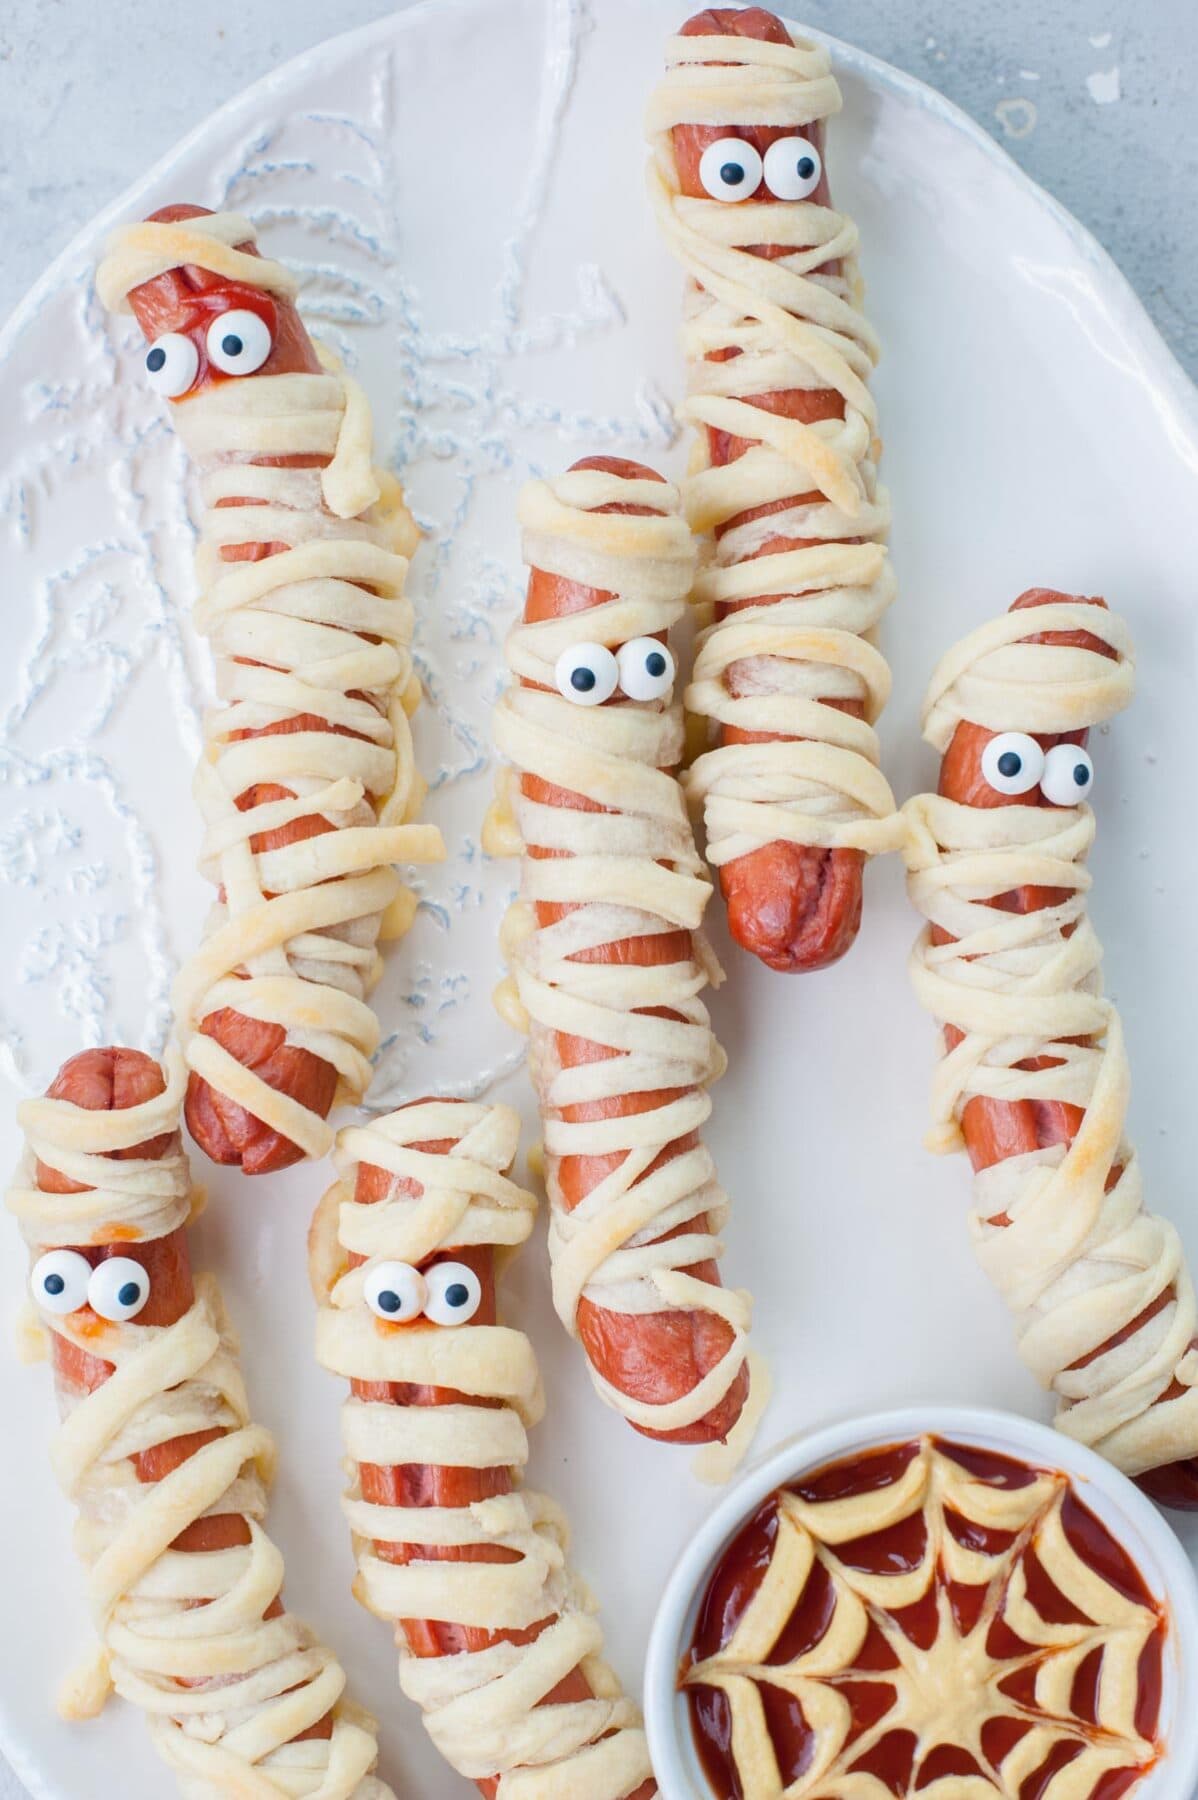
(1094, 99)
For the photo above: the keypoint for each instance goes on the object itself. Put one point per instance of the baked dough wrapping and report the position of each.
(630, 869)
(483, 1709)
(226, 1691)
(319, 628)
(1081, 1264)
(752, 326)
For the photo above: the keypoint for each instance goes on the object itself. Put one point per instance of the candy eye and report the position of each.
(395, 1291)
(59, 1280)
(1013, 763)
(454, 1294)
(238, 342)
(172, 363)
(792, 168)
(730, 169)
(587, 674)
(118, 1288)
(646, 669)
(1068, 775)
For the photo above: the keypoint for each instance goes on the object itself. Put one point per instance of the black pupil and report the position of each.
(582, 679)
(156, 359)
(1081, 774)
(389, 1300)
(54, 1284)
(128, 1294)
(457, 1294)
(806, 167)
(232, 345)
(655, 663)
(1010, 763)
(732, 174)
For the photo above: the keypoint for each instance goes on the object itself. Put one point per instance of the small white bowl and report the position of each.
(1117, 1502)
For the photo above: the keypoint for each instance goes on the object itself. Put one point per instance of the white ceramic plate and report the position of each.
(462, 184)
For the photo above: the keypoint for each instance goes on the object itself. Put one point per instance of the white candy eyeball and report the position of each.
(1068, 775)
(1013, 763)
(454, 1294)
(792, 168)
(172, 363)
(730, 169)
(395, 1291)
(238, 342)
(587, 674)
(59, 1281)
(118, 1289)
(646, 669)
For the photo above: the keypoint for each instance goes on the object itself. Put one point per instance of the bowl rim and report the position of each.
(1116, 1498)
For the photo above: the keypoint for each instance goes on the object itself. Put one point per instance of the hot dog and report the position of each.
(607, 961)
(784, 478)
(308, 785)
(158, 1450)
(505, 1666)
(1034, 1079)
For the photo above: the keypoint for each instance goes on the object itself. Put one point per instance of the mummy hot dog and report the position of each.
(308, 785)
(158, 1450)
(783, 477)
(499, 1644)
(607, 963)
(1034, 1079)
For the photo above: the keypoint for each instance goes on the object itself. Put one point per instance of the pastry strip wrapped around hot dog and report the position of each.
(308, 786)
(159, 1452)
(606, 951)
(1034, 1081)
(783, 483)
(499, 1642)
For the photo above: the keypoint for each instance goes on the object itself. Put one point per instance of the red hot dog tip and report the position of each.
(224, 1130)
(185, 301)
(618, 465)
(107, 1080)
(796, 909)
(730, 21)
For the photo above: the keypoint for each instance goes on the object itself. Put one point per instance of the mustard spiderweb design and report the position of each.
(1009, 1650)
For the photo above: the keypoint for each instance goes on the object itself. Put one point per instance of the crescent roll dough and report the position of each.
(630, 868)
(1081, 1260)
(755, 325)
(319, 628)
(226, 1690)
(486, 1710)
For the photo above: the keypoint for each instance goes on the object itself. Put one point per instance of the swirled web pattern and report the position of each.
(927, 1619)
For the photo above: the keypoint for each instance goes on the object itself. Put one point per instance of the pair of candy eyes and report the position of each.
(64, 1280)
(730, 169)
(1013, 763)
(237, 343)
(589, 674)
(449, 1293)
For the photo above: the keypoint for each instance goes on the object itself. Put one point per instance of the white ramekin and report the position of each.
(1132, 1518)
